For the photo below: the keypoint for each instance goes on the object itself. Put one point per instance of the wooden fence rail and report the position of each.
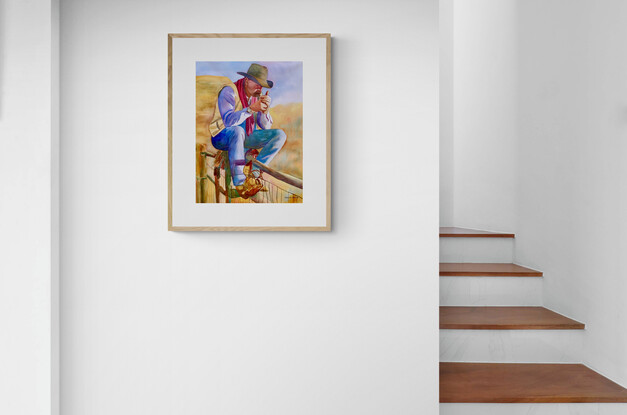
(286, 178)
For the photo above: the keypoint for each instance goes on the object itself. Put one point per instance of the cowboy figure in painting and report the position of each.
(242, 122)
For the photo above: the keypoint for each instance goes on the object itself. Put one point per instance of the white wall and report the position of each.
(479, 113)
(27, 229)
(447, 100)
(329, 323)
(572, 169)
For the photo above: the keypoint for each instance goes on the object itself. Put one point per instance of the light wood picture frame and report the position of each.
(251, 115)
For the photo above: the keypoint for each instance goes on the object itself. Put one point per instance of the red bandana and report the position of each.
(250, 121)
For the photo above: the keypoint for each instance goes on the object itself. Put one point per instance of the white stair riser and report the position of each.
(511, 346)
(533, 409)
(476, 249)
(490, 291)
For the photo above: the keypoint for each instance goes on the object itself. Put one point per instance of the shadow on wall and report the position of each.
(334, 166)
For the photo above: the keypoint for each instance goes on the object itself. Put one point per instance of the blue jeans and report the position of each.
(234, 140)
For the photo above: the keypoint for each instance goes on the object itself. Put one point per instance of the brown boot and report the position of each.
(250, 187)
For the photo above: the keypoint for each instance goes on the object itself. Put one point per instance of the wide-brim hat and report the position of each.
(259, 74)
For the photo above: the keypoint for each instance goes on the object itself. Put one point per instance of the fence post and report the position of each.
(216, 179)
(201, 174)
(227, 178)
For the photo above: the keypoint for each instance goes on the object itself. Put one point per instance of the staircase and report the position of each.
(501, 352)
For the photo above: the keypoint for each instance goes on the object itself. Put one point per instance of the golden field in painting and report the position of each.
(289, 118)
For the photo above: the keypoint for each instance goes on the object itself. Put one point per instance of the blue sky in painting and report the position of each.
(287, 77)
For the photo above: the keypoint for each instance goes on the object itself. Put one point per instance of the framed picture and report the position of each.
(249, 132)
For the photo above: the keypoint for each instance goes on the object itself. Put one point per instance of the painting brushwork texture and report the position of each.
(249, 132)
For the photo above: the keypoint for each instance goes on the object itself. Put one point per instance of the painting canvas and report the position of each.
(249, 132)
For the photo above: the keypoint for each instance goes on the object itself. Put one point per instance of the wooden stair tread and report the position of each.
(454, 232)
(470, 269)
(526, 383)
(505, 318)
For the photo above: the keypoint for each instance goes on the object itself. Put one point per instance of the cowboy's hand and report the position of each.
(256, 106)
(264, 107)
(266, 100)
